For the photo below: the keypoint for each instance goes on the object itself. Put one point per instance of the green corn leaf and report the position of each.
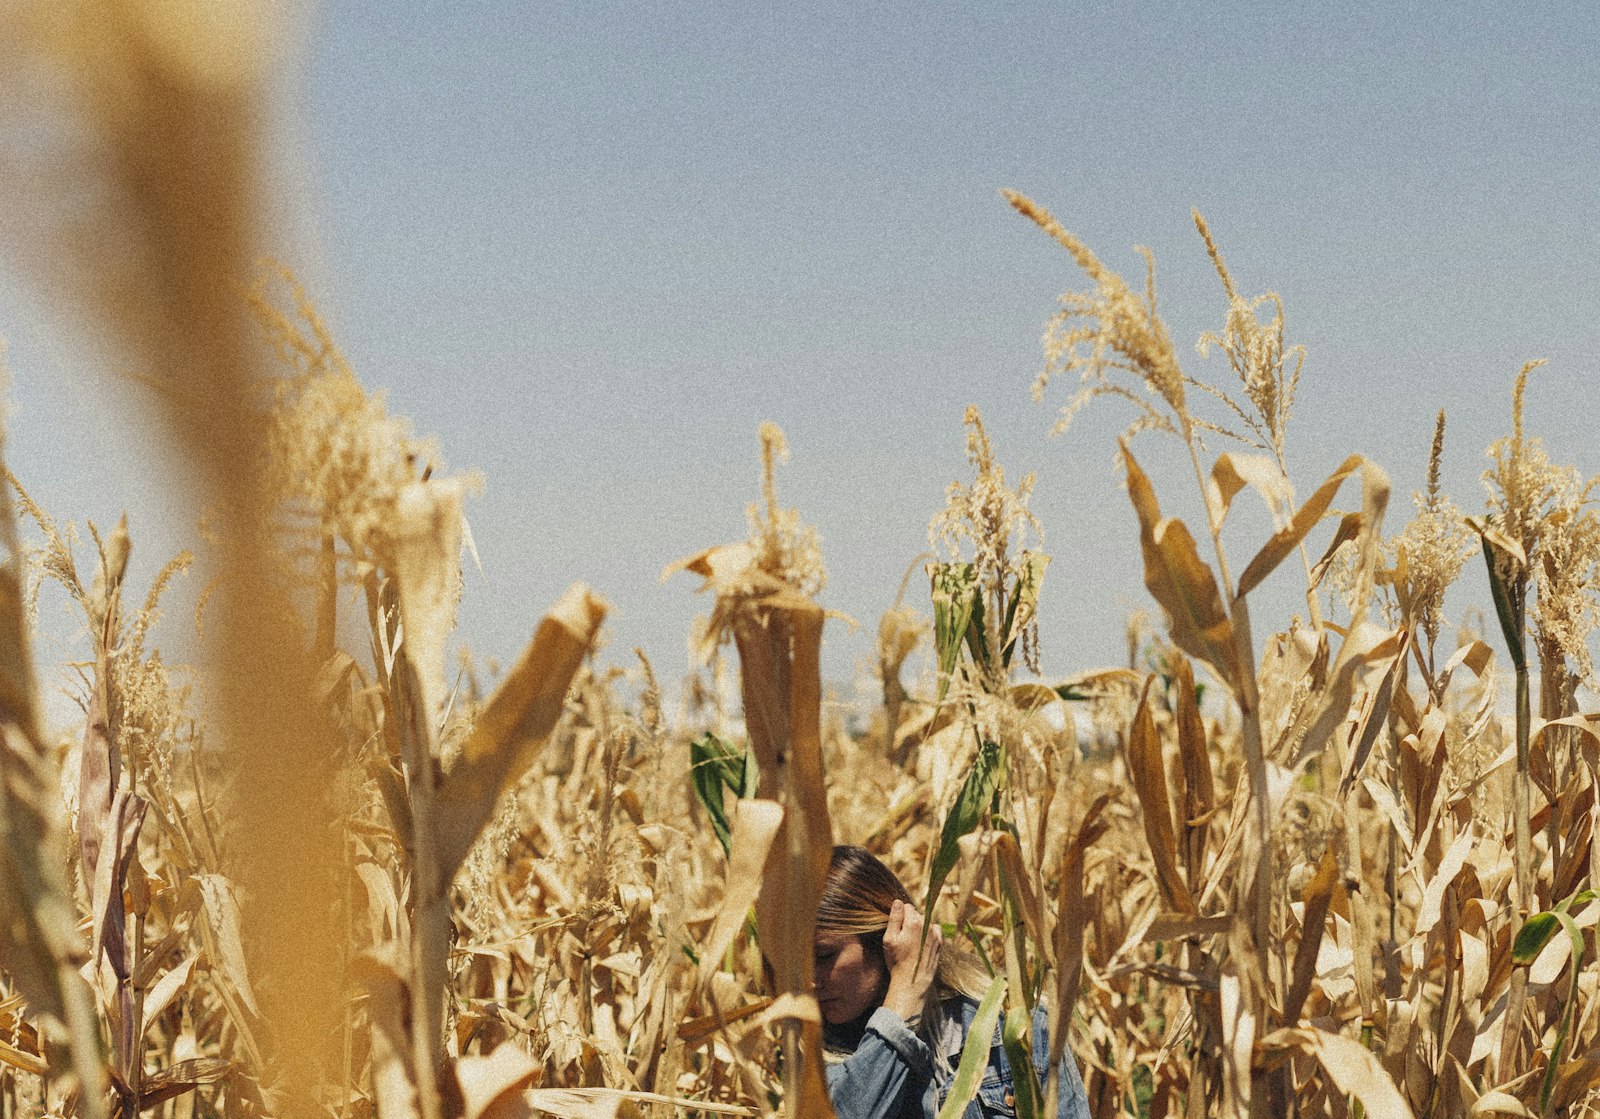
(975, 1052)
(977, 793)
(1576, 966)
(716, 765)
(1017, 1035)
(955, 597)
(978, 633)
(1512, 623)
(1535, 933)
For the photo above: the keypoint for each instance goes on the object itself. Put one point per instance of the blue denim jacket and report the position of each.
(891, 1073)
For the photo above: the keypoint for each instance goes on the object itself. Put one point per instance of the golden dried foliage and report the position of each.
(337, 892)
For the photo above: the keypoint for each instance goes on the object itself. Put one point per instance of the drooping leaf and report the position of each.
(1317, 896)
(715, 766)
(515, 724)
(1283, 542)
(1496, 545)
(755, 826)
(1180, 581)
(1349, 528)
(977, 793)
(1147, 769)
(1233, 471)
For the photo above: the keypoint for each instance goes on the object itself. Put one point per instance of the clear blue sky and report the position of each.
(591, 247)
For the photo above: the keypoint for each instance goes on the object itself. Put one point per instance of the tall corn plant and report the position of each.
(1541, 546)
(1116, 341)
(782, 837)
(985, 613)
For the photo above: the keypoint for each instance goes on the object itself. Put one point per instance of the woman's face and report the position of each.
(849, 979)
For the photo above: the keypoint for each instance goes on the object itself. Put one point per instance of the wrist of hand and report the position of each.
(906, 1003)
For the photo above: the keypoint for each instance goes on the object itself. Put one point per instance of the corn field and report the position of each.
(1336, 864)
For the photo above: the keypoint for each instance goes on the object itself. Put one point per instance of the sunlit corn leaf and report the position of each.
(977, 794)
(1366, 644)
(1097, 684)
(1375, 712)
(1283, 542)
(755, 826)
(956, 605)
(1317, 896)
(485, 1080)
(975, 1051)
(393, 1082)
(1350, 526)
(1233, 471)
(1180, 581)
(185, 1076)
(1147, 769)
(516, 723)
(717, 766)
(166, 989)
(224, 941)
(1354, 1070)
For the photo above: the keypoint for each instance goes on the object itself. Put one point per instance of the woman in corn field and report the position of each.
(896, 1010)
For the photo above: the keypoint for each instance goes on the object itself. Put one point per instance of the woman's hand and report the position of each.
(912, 962)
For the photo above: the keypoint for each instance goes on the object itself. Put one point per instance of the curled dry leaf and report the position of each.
(1181, 582)
(516, 723)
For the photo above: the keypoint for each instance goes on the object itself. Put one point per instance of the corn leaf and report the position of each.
(977, 793)
(715, 766)
(975, 1051)
(1147, 769)
(516, 723)
(1232, 472)
(1282, 542)
(1016, 1034)
(1180, 581)
(1024, 603)
(956, 603)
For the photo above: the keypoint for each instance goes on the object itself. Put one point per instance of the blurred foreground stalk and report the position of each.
(155, 111)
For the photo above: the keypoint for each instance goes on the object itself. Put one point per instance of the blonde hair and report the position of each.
(857, 897)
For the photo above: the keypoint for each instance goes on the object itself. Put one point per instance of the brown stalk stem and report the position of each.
(792, 1072)
(1511, 1035)
(1259, 877)
(430, 942)
(133, 1028)
(1522, 801)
